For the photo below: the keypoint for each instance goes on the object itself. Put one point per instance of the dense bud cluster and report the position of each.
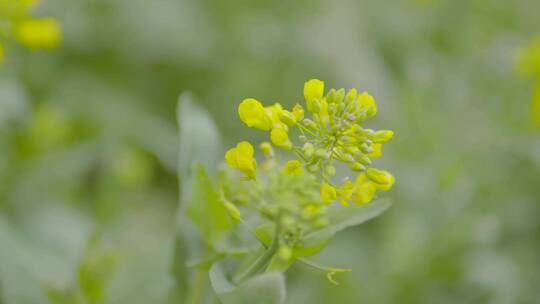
(295, 196)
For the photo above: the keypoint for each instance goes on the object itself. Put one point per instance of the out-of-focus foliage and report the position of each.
(88, 144)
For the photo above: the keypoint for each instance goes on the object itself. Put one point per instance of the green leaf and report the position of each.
(266, 288)
(199, 141)
(205, 209)
(199, 138)
(341, 218)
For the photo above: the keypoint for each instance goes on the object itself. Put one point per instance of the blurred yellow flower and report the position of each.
(293, 167)
(254, 115)
(241, 158)
(38, 33)
(344, 192)
(328, 193)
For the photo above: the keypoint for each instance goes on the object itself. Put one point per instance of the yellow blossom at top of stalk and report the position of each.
(241, 158)
(38, 33)
(330, 130)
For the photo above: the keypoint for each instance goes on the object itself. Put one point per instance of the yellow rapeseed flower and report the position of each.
(274, 112)
(377, 151)
(38, 33)
(344, 192)
(280, 138)
(254, 115)
(241, 158)
(266, 148)
(368, 103)
(328, 193)
(293, 167)
(364, 190)
(313, 92)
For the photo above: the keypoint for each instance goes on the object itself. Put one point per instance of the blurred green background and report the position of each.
(88, 143)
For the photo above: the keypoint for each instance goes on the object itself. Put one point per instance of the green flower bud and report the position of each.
(287, 117)
(358, 167)
(382, 136)
(365, 148)
(233, 211)
(309, 123)
(351, 96)
(330, 170)
(321, 153)
(340, 94)
(363, 159)
(331, 96)
(285, 252)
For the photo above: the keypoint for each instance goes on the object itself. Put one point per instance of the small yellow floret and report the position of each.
(293, 167)
(38, 33)
(254, 115)
(377, 151)
(280, 138)
(328, 193)
(241, 158)
(368, 103)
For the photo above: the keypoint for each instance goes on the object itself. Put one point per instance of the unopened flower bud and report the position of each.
(266, 148)
(340, 94)
(309, 123)
(330, 170)
(363, 159)
(321, 153)
(287, 117)
(382, 136)
(331, 96)
(351, 96)
(358, 167)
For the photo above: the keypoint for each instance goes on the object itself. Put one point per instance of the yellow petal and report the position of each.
(367, 102)
(377, 151)
(363, 193)
(230, 158)
(344, 192)
(293, 167)
(313, 89)
(280, 138)
(328, 193)
(254, 115)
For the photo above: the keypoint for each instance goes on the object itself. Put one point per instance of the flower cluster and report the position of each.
(16, 22)
(332, 134)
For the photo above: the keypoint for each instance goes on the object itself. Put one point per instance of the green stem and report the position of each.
(261, 262)
(197, 290)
